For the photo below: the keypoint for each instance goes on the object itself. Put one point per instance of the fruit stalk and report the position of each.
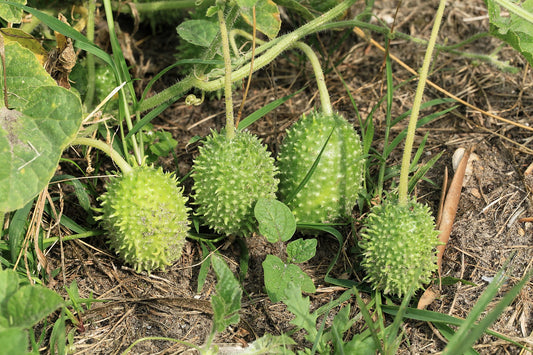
(319, 75)
(411, 128)
(106, 148)
(230, 121)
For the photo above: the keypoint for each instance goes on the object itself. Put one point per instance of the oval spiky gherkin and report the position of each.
(230, 175)
(399, 246)
(331, 192)
(146, 217)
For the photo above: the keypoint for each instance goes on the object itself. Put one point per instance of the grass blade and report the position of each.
(310, 172)
(469, 333)
(264, 110)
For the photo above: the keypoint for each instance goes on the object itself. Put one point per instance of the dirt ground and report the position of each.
(491, 222)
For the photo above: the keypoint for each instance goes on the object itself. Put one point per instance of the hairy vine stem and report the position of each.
(274, 50)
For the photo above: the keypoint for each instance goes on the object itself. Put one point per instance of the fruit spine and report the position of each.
(230, 175)
(145, 214)
(331, 192)
(399, 246)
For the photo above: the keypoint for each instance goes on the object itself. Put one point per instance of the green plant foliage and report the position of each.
(21, 308)
(270, 344)
(145, 214)
(226, 302)
(200, 32)
(513, 28)
(157, 143)
(104, 83)
(279, 275)
(399, 246)
(332, 190)
(301, 250)
(230, 175)
(40, 122)
(267, 17)
(276, 222)
(328, 340)
(11, 14)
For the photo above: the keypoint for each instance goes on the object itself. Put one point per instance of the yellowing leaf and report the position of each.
(25, 40)
(267, 18)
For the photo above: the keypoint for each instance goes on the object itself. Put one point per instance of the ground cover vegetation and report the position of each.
(121, 234)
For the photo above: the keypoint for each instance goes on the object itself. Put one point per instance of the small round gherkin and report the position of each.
(399, 246)
(145, 215)
(230, 175)
(331, 192)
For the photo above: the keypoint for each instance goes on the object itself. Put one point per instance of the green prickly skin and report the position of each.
(145, 215)
(399, 246)
(230, 175)
(331, 192)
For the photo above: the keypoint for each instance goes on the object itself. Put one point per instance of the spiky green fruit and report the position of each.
(399, 246)
(331, 192)
(145, 215)
(230, 175)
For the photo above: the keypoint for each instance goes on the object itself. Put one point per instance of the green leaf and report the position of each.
(226, 302)
(17, 229)
(212, 10)
(80, 190)
(58, 336)
(300, 307)
(276, 221)
(204, 268)
(14, 341)
(198, 32)
(341, 323)
(30, 304)
(516, 28)
(9, 284)
(279, 276)
(10, 13)
(267, 18)
(301, 250)
(270, 344)
(245, 4)
(40, 123)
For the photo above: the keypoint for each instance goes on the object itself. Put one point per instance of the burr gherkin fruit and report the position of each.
(145, 215)
(331, 192)
(399, 246)
(230, 175)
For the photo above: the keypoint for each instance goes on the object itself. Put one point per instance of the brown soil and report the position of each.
(490, 223)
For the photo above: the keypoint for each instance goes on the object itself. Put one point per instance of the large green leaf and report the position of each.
(279, 276)
(276, 221)
(40, 121)
(516, 28)
(30, 304)
(198, 32)
(9, 283)
(14, 341)
(10, 13)
(226, 302)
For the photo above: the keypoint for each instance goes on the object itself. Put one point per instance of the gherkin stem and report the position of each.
(411, 128)
(230, 120)
(272, 50)
(319, 75)
(313, 59)
(106, 148)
